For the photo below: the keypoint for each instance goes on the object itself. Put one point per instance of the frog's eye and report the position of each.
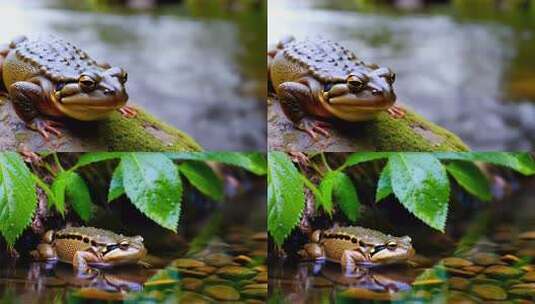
(124, 245)
(356, 81)
(86, 83)
(392, 245)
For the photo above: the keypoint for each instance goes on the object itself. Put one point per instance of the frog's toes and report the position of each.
(45, 127)
(396, 112)
(313, 128)
(128, 112)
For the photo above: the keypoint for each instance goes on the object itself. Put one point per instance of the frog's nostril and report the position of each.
(108, 92)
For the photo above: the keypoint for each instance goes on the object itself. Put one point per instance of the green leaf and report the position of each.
(326, 191)
(346, 196)
(152, 182)
(202, 177)
(286, 198)
(470, 178)
(361, 157)
(116, 184)
(253, 161)
(93, 157)
(77, 194)
(18, 199)
(384, 185)
(58, 188)
(421, 184)
(519, 161)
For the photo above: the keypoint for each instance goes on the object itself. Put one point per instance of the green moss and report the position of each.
(412, 133)
(143, 133)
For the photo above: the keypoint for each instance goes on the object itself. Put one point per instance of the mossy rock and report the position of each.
(410, 133)
(116, 133)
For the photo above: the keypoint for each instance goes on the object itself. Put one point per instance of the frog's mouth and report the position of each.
(360, 106)
(93, 106)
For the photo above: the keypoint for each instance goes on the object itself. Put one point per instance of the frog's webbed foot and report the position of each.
(46, 127)
(396, 112)
(314, 127)
(128, 112)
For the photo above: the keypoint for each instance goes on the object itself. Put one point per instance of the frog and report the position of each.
(48, 77)
(321, 79)
(90, 247)
(354, 246)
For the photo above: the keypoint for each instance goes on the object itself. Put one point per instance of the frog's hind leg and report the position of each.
(312, 251)
(25, 96)
(82, 259)
(44, 252)
(292, 96)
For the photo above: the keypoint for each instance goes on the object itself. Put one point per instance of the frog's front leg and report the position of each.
(293, 95)
(128, 112)
(26, 96)
(81, 259)
(350, 259)
(396, 111)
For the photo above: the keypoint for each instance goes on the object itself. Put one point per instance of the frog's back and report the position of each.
(48, 55)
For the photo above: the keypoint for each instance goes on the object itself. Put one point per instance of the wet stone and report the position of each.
(222, 293)
(188, 263)
(522, 292)
(459, 283)
(215, 280)
(486, 259)
(456, 297)
(236, 273)
(261, 277)
(257, 293)
(218, 259)
(194, 298)
(192, 273)
(366, 294)
(242, 259)
(502, 272)
(454, 262)
(510, 259)
(206, 269)
(459, 272)
(475, 269)
(529, 277)
(489, 292)
(191, 283)
(256, 286)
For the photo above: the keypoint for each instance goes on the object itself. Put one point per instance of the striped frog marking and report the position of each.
(85, 247)
(351, 246)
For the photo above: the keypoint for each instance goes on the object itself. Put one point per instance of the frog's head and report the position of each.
(393, 250)
(94, 95)
(125, 251)
(362, 96)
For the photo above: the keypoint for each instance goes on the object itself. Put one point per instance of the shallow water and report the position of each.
(191, 72)
(473, 77)
(213, 256)
(492, 252)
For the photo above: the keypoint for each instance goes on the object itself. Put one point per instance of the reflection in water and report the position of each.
(224, 259)
(491, 260)
(456, 74)
(185, 71)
